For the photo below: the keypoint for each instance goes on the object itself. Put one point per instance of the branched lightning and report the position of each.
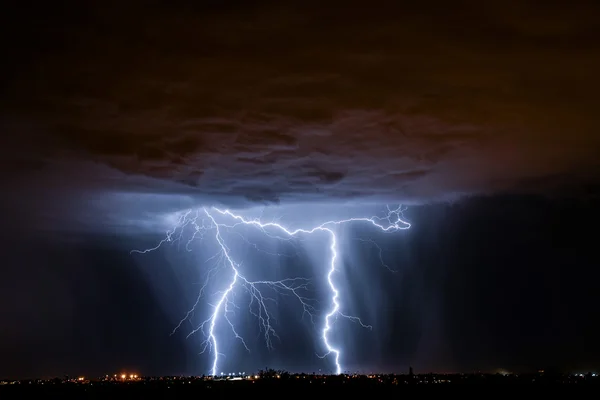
(215, 220)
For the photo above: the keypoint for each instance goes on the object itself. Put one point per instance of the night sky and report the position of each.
(480, 117)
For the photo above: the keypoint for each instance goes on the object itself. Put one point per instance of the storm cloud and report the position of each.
(265, 103)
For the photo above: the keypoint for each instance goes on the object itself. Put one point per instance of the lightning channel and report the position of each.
(204, 220)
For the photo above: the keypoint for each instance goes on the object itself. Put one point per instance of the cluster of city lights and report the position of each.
(125, 377)
(233, 374)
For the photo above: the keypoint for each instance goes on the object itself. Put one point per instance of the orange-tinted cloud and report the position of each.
(280, 103)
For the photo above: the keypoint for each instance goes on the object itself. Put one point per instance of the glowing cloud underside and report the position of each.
(216, 221)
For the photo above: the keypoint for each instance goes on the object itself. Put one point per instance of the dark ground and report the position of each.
(182, 386)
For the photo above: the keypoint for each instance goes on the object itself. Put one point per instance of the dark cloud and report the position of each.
(277, 103)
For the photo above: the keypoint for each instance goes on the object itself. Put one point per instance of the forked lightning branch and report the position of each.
(217, 222)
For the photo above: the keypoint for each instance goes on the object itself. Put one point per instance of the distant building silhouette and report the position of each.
(410, 371)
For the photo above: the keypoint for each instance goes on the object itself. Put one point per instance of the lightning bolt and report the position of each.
(204, 220)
